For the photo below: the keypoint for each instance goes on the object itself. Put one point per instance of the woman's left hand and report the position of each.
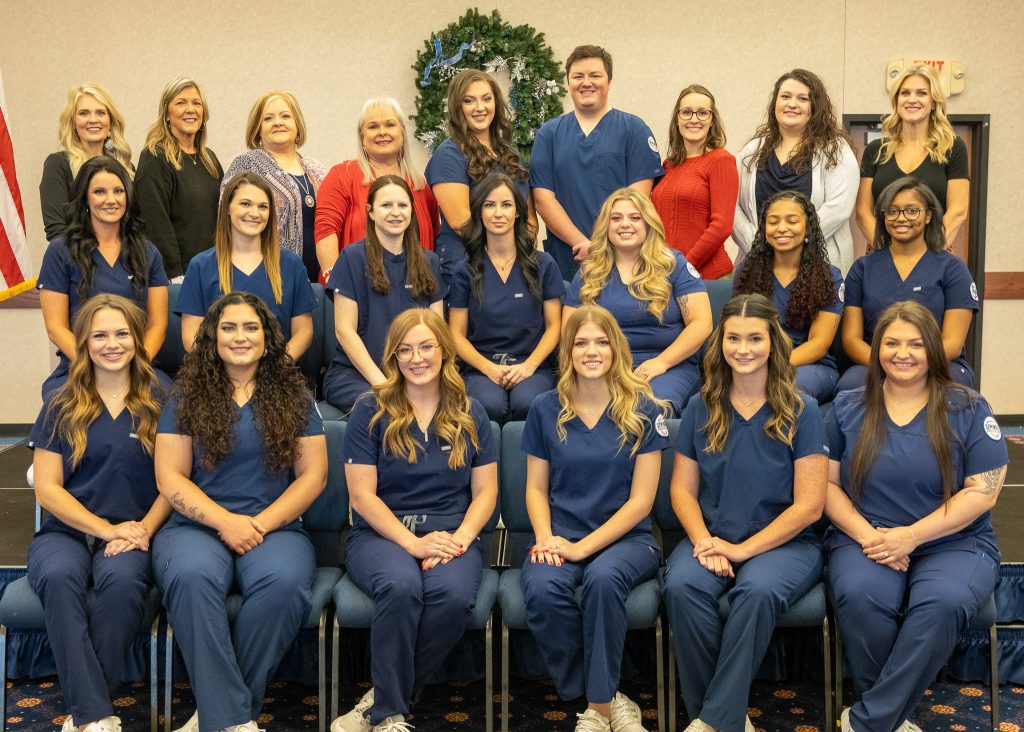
(518, 373)
(649, 369)
(892, 546)
(714, 546)
(120, 546)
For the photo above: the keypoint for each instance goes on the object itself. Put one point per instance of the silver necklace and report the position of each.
(306, 187)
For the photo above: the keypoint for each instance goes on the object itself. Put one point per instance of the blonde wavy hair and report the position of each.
(657, 262)
(253, 137)
(940, 130)
(379, 107)
(160, 131)
(119, 148)
(780, 391)
(77, 404)
(452, 421)
(627, 391)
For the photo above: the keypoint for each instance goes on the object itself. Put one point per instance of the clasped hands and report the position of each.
(717, 555)
(124, 537)
(509, 376)
(556, 550)
(891, 547)
(438, 547)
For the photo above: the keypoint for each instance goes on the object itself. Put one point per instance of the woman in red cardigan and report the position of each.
(696, 199)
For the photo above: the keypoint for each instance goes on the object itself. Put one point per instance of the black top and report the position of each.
(54, 191)
(932, 174)
(179, 207)
(778, 176)
(308, 226)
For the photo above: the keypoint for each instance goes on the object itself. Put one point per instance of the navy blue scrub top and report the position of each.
(351, 279)
(749, 483)
(115, 478)
(241, 483)
(427, 487)
(905, 485)
(647, 337)
(940, 281)
(590, 476)
(508, 320)
(583, 170)
(202, 286)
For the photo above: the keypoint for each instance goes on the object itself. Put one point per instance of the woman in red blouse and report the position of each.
(696, 199)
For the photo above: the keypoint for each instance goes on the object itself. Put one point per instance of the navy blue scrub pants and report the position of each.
(503, 405)
(89, 647)
(717, 662)
(343, 385)
(230, 666)
(418, 616)
(582, 650)
(894, 662)
(817, 380)
(676, 385)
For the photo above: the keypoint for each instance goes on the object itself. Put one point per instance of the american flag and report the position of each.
(15, 262)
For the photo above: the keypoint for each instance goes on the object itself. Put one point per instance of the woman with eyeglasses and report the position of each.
(696, 199)
(910, 263)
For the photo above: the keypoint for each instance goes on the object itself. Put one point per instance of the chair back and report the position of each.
(719, 292)
(311, 362)
(328, 516)
(512, 493)
(328, 340)
(172, 352)
(662, 513)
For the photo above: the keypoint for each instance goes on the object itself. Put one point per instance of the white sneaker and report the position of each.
(592, 721)
(749, 726)
(844, 721)
(394, 723)
(107, 724)
(69, 725)
(249, 726)
(908, 726)
(625, 714)
(356, 720)
(698, 725)
(192, 725)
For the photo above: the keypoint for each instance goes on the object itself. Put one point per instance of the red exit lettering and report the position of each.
(936, 64)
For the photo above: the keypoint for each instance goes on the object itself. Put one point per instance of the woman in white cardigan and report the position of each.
(801, 146)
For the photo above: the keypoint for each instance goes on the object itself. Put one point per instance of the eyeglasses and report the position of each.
(405, 353)
(910, 214)
(702, 114)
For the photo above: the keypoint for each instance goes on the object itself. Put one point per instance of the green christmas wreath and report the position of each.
(488, 43)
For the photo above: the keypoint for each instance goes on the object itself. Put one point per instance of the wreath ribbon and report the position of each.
(441, 60)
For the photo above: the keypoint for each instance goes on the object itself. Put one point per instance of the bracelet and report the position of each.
(325, 275)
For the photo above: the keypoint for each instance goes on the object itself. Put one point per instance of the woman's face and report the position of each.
(419, 356)
(793, 106)
(906, 217)
(382, 136)
(746, 344)
(478, 106)
(249, 211)
(785, 226)
(902, 354)
(240, 336)
(914, 103)
(92, 120)
(627, 229)
(278, 130)
(185, 114)
(592, 355)
(110, 342)
(694, 130)
(107, 198)
(391, 211)
(498, 212)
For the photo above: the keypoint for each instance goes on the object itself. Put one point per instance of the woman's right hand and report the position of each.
(438, 544)
(240, 533)
(497, 374)
(132, 531)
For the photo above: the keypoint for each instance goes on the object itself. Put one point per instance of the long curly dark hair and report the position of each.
(81, 239)
(481, 160)
(475, 236)
(206, 409)
(822, 136)
(813, 288)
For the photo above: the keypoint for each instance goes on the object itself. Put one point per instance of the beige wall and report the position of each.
(335, 53)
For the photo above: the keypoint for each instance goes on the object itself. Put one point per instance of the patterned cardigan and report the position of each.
(287, 196)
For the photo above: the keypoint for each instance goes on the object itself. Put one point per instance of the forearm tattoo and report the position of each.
(991, 482)
(178, 504)
(682, 300)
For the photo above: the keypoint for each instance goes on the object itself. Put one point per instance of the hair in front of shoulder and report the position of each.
(780, 390)
(934, 228)
(81, 238)
(77, 404)
(280, 403)
(716, 132)
(656, 264)
(589, 51)
(941, 134)
(823, 135)
(475, 236)
(161, 141)
(382, 107)
(253, 136)
(67, 133)
(503, 153)
(453, 422)
(873, 434)
(628, 392)
(270, 247)
(813, 288)
(418, 273)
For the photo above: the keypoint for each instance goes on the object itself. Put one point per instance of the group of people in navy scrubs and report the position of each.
(596, 342)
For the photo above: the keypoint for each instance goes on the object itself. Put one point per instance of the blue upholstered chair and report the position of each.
(353, 609)
(328, 349)
(642, 607)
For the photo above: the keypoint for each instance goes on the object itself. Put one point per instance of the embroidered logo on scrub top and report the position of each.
(518, 294)
(974, 292)
(133, 435)
(692, 270)
(659, 425)
(652, 144)
(992, 428)
(842, 292)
